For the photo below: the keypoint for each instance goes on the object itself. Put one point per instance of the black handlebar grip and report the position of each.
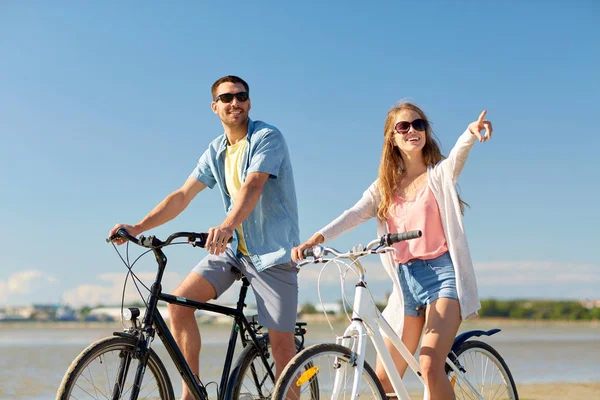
(308, 252)
(392, 238)
(123, 234)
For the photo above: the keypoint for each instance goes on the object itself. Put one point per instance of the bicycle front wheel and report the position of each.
(320, 369)
(106, 370)
(485, 370)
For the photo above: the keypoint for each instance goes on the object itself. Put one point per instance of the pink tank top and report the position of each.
(423, 214)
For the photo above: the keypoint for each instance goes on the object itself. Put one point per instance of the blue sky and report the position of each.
(105, 109)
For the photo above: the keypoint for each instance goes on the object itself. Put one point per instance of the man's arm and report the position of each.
(244, 204)
(168, 209)
(172, 205)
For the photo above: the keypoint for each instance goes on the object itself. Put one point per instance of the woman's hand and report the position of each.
(481, 124)
(315, 240)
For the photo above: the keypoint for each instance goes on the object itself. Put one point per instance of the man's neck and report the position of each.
(236, 133)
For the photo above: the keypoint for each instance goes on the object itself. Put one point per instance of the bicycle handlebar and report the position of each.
(392, 238)
(152, 242)
(308, 252)
(385, 240)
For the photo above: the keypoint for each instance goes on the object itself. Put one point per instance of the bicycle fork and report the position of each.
(354, 338)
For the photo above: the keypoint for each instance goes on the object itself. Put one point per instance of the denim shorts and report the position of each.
(424, 281)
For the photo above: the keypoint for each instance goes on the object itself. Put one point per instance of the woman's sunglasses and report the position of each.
(228, 97)
(417, 124)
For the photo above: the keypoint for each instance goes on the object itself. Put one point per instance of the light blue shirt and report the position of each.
(271, 229)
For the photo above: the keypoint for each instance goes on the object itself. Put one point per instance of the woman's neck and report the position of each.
(414, 164)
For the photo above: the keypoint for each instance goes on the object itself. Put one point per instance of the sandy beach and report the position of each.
(562, 391)
(550, 391)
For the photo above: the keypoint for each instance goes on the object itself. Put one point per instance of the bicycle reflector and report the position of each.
(306, 376)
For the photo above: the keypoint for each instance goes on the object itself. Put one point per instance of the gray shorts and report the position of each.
(275, 289)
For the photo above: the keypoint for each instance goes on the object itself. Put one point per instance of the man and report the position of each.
(250, 166)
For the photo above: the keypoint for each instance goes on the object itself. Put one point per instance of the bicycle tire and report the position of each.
(304, 363)
(89, 376)
(486, 370)
(249, 379)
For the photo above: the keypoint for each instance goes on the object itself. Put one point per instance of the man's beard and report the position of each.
(242, 121)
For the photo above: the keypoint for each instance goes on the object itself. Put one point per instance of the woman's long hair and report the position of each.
(391, 166)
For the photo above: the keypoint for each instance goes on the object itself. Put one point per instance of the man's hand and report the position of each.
(218, 237)
(131, 229)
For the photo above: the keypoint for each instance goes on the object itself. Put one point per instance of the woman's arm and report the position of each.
(363, 210)
(458, 155)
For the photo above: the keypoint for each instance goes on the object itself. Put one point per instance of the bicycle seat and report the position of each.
(237, 272)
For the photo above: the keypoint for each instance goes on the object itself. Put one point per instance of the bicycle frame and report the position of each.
(153, 322)
(367, 320)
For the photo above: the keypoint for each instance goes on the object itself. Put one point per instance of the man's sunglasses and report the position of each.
(404, 126)
(228, 97)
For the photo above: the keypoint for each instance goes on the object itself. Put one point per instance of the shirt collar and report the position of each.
(223, 144)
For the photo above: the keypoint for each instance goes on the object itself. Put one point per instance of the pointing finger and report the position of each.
(482, 117)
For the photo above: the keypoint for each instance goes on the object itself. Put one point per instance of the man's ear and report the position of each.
(213, 106)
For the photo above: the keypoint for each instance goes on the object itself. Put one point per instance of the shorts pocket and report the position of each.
(442, 263)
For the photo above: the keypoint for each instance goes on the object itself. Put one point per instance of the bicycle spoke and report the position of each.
(322, 369)
(485, 371)
(93, 387)
(107, 369)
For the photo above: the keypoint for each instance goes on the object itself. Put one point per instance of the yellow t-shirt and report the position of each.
(233, 180)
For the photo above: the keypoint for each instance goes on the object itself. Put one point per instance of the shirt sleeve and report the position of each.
(453, 165)
(203, 171)
(363, 210)
(268, 154)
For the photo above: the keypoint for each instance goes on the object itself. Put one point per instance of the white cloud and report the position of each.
(519, 279)
(26, 282)
(526, 279)
(109, 289)
(536, 273)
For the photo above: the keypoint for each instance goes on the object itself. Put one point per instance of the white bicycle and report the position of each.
(474, 368)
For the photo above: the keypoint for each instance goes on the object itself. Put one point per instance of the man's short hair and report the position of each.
(228, 78)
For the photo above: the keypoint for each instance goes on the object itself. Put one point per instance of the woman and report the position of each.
(433, 277)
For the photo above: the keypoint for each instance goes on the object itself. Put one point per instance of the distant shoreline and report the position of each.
(316, 319)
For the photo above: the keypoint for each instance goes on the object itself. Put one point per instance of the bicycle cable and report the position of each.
(135, 278)
(346, 304)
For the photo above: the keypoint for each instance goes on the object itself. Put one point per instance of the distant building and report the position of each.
(12, 317)
(329, 308)
(66, 313)
(589, 304)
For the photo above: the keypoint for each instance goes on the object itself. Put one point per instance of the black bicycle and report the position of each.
(124, 366)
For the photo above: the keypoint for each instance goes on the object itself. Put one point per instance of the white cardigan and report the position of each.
(441, 178)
